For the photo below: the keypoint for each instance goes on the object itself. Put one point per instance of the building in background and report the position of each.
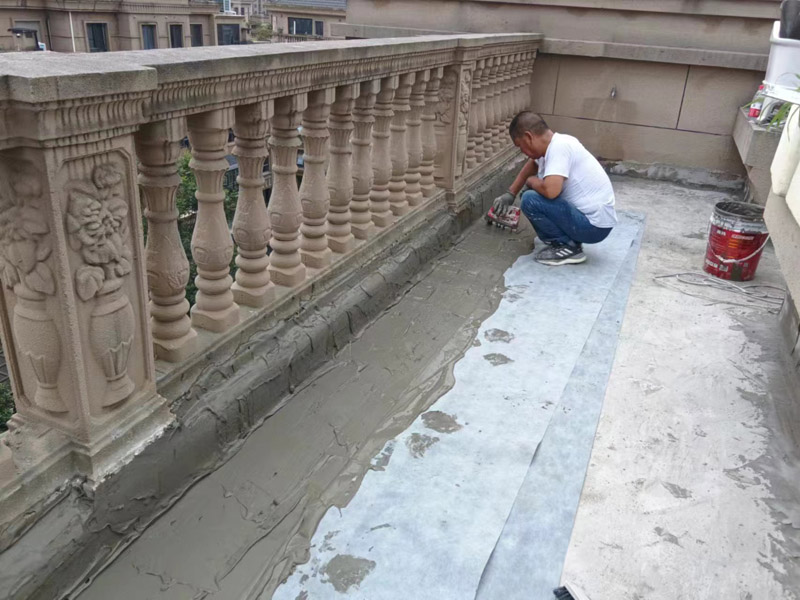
(108, 26)
(305, 17)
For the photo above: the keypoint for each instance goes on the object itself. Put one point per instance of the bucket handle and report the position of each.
(728, 261)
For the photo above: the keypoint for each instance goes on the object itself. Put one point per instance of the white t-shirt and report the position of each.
(587, 186)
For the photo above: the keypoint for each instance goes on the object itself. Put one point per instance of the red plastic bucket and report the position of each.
(736, 239)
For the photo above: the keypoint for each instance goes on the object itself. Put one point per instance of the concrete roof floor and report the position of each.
(692, 486)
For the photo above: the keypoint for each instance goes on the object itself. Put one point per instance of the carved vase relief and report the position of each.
(463, 118)
(448, 113)
(25, 247)
(97, 223)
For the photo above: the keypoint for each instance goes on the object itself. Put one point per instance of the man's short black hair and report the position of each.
(527, 121)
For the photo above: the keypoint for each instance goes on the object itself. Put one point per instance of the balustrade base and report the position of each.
(288, 277)
(382, 219)
(178, 349)
(362, 231)
(253, 297)
(217, 321)
(45, 459)
(341, 245)
(316, 259)
(124, 437)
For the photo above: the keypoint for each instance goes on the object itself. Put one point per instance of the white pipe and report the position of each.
(71, 31)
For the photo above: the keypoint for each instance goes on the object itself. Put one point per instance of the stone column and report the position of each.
(474, 121)
(212, 246)
(314, 196)
(251, 225)
(285, 213)
(490, 83)
(363, 120)
(74, 292)
(452, 114)
(381, 158)
(399, 153)
(414, 137)
(158, 148)
(427, 182)
(340, 169)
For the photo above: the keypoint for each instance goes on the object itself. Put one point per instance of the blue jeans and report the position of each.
(558, 222)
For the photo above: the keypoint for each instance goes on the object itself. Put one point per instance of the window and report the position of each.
(196, 29)
(176, 35)
(97, 37)
(299, 26)
(30, 25)
(149, 41)
(227, 34)
(318, 28)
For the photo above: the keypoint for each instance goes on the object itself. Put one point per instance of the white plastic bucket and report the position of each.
(784, 60)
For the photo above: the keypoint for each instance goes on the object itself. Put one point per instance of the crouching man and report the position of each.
(569, 198)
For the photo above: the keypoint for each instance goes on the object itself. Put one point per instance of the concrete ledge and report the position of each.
(756, 143)
(358, 31)
(663, 54)
(790, 327)
(785, 233)
(698, 178)
(81, 531)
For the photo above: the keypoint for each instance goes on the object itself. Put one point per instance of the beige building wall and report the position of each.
(644, 111)
(280, 19)
(650, 82)
(741, 25)
(124, 27)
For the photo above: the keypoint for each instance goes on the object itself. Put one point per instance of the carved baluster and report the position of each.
(285, 213)
(474, 121)
(427, 182)
(251, 226)
(514, 93)
(212, 246)
(497, 128)
(397, 184)
(506, 98)
(158, 147)
(314, 196)
(502, 98)
(527, 71)
(363, 120)
(480, 85)
(381, 158)
(414, 137)
(340, 169)
(490, 84)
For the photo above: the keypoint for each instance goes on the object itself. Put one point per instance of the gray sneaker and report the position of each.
(561, 255)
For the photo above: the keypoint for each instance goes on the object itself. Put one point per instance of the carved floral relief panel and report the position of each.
(29, 285)
(101, 217)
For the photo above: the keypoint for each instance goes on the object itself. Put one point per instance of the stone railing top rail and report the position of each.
(46, 77)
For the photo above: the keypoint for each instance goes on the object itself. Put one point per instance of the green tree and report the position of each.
(6, 405)
(261, 32)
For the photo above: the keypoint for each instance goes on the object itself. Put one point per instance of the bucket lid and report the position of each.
(740, 210)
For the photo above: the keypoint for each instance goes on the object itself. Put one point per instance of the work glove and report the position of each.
(502, 204)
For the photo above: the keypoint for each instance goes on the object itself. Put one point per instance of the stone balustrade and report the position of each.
(89, 149)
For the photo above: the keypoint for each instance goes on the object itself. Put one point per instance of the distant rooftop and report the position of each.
(325, 4)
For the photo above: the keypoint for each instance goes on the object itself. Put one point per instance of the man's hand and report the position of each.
(502, 204)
